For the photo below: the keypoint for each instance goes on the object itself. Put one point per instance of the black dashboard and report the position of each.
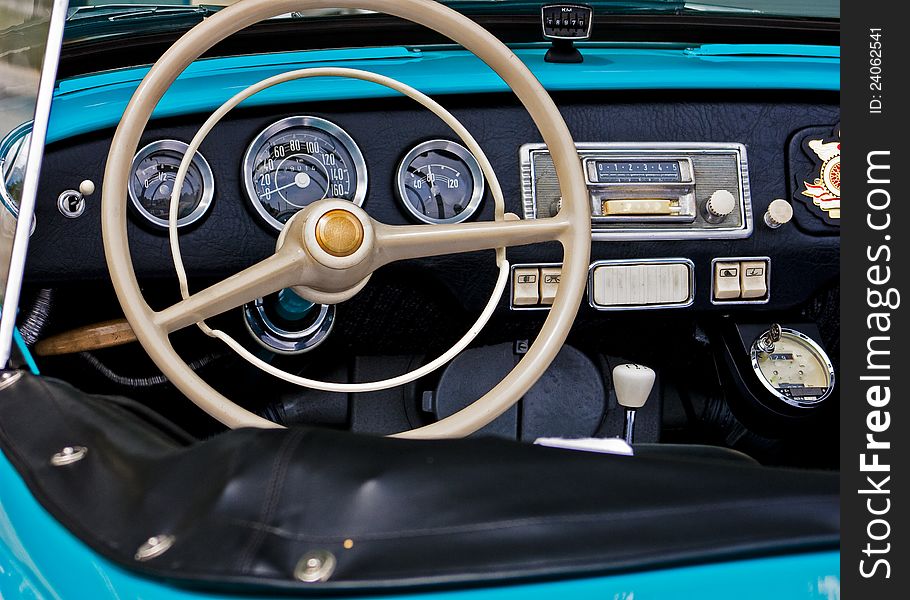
(803, 255)
(412, 311)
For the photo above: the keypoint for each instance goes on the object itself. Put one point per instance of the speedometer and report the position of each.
(299, 160)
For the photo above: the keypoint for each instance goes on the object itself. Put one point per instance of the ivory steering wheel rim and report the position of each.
(301, 259)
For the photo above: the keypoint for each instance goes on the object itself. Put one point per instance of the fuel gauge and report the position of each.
(154, 171)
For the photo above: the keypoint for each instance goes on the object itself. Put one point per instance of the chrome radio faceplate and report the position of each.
(649, 191)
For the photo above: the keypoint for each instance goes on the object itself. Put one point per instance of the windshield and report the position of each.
(23, 37)
(28, 61)
(787, 8)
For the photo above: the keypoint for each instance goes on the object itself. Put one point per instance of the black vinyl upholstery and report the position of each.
(245, 505)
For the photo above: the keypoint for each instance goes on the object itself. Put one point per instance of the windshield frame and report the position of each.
(16, 271)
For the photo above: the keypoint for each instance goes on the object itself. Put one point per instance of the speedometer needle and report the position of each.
(301, 180)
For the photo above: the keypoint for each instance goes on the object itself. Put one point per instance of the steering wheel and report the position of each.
(331, 247)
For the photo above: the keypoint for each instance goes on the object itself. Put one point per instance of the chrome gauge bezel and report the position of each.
(359, 164)
(282, 341)
(815, 348)
(19, 135)
(461, 152)
(205, 171)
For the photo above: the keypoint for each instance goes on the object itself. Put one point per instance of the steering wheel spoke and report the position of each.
(402, 242)
(276, 272)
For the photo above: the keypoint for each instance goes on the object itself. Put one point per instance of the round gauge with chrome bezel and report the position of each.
(151, 184)
(440, 181)
(299, 160)
(793, 367)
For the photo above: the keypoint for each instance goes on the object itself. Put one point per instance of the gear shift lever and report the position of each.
(633, 385)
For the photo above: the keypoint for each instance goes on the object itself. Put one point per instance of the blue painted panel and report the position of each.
(92, 102)
(41, 559)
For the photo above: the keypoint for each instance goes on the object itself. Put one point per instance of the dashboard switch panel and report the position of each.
(741, 280)
(641, 284)
(650, 191)
(534, 286)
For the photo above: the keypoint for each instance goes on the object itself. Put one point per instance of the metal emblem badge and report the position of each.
(825, 190)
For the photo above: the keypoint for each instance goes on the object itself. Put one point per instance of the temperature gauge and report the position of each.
(440, 181)
(793, 367)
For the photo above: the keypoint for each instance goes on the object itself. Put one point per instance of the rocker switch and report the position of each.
(525, 287)
(726, 280)
(549, 283)
(754, 279)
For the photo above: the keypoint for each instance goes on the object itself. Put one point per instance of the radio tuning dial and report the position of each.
(719, 206)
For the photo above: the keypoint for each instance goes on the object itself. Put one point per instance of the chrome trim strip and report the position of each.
(461, 152)
(642, 261)
(740, 301)
(30, 182)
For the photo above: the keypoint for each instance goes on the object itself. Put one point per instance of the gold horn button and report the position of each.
(339, 232)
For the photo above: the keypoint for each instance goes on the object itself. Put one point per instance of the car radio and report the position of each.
(650, 190)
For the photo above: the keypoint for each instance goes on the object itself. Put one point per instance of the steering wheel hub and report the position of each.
(339, 232)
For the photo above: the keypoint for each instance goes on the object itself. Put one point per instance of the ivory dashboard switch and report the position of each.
(726, 281)
(549, 283)
(525, 287)
(753, 279)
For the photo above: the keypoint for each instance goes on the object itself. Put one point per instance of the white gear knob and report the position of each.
(633, 384)
(720, 205)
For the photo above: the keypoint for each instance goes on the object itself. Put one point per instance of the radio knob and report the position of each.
(779, 212)
(719, 206)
